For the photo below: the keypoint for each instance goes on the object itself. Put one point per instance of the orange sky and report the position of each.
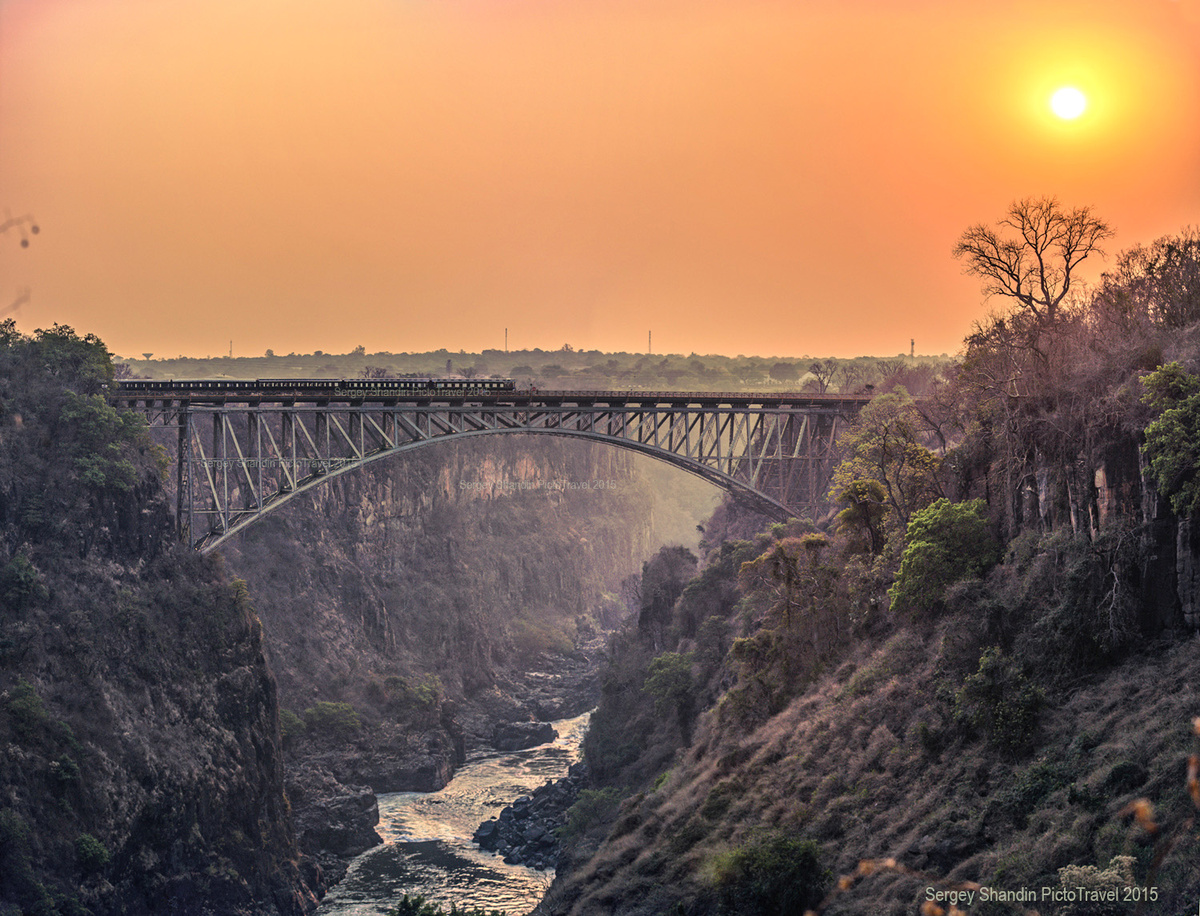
(775, 178)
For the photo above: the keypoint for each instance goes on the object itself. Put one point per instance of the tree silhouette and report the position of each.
(1033, 253)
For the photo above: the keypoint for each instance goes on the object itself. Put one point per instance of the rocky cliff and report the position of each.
(142, 771)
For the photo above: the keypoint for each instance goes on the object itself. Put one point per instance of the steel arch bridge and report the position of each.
(240, 453)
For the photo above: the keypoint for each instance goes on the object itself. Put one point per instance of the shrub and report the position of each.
(1125, 776)
(93, 857)
(669, 681)
(712, 642)
(946, 542)
(1112, 881)
(1083, 604)
(334, 719)
(1021, 799)
(21, 584)
(64, 771)
(404, 695)
(26, 710)
(532, 636)
(17, 877)
(291, 726)
(1001, 701)
(775, 875)
(592, 807)
(720, 797)
(1172, 446)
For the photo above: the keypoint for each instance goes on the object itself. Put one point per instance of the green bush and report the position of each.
(946, 542)
(669, 680)
(720, 797)
(592, 807)
(291, 726)
(93, 857)
(1172, 446)
(26, 710)
(404, 695)
(337, 720)
(64, 771)
(1126, 776)
(21, 584)
(1000, 701)
(771, 876)
(1021, 798)
(17, 878)
(533, 636)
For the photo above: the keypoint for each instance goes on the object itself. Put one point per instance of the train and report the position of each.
(375, 386)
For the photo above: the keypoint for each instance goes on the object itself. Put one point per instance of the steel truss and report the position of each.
(236, 461)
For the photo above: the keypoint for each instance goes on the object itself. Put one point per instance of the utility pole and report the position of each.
(649, 345)
(506, 340)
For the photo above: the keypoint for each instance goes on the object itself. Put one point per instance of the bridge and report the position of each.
(242, 450)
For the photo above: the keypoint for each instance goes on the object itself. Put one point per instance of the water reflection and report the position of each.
(427, 837)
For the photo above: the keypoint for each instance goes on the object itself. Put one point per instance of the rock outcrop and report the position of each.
(526, 832)
(334, 822)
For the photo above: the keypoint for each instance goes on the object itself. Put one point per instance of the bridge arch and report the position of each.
(759, 500)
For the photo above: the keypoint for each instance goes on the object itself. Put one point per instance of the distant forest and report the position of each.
(571, 369)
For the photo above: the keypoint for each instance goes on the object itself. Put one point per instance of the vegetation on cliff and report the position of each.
(141, 767)
(967, 677)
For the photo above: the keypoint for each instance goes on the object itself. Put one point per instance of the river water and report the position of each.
(427, 837)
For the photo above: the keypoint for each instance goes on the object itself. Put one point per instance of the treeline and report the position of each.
(569, 368)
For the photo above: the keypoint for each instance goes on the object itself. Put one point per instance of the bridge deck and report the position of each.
(528, 398)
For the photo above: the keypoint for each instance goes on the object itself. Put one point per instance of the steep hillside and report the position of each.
(925, 744)
(980, 673)
(142, 769)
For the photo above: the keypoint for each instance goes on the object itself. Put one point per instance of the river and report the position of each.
(427, 837)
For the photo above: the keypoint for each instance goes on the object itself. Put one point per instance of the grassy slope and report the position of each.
(869, 763)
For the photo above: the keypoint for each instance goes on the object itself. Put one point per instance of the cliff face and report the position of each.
(1119, 494)
(141, 769)
(139, 711)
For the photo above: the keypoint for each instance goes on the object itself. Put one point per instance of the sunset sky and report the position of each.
(772, 178)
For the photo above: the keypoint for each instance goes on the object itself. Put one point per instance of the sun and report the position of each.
(1068, 103)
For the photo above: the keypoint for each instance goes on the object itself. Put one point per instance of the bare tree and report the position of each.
(1158, 283)
(1033, 252)
(850, 376)
(823, 371)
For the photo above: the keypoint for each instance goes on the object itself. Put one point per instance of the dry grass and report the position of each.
(896, 813)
